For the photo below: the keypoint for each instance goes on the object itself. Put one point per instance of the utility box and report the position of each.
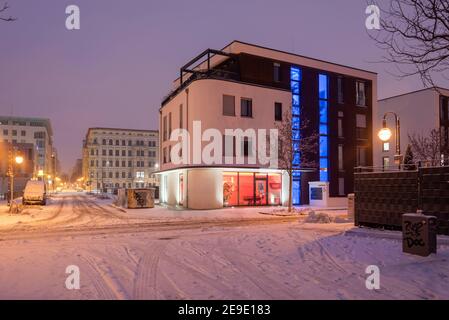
(140, 198)
(318, 193)
(419, 234)
(351, 206)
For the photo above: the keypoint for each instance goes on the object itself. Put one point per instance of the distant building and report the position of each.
(119, 158)
(22, 172)
(35, 131)
(77, 170)
(419, 112)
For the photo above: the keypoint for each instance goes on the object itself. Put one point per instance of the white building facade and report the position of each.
(246, 86)
(120, 158)
(419, 112)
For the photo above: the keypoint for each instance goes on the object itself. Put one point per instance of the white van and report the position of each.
(35, 192)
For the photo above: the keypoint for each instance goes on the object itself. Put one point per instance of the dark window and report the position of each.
(444, 109)
(246, 107)
(340, 90)
(228, 105)
(180, 118)
(14, 132)
(23, 133)
(164, 129)
(360, 94)
(104, 142)
(276, 72)
(278, 111)
(110, 142)
(123, 143)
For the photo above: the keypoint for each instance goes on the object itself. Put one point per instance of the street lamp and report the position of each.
(18, 159)
(385, 135)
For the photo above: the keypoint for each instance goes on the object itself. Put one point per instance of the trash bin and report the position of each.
(351, 206)
(419, 234)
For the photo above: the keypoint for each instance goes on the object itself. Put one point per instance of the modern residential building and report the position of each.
(419, 112)
(245, 86)
(120, 158)
(39, 133)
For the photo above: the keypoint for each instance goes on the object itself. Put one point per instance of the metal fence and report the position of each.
(381, 198)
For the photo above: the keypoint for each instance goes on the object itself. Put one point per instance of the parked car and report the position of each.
(35, 192)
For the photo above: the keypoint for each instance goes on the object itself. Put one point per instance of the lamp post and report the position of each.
(18, 159)
(385, 135)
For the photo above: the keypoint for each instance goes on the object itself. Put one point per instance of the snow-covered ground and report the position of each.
(219, 254)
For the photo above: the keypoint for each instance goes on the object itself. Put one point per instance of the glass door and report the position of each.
(260, 190)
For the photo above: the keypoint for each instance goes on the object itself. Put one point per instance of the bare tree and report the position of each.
(415, 37)
(288, 147)
(426, 148)
(3, 10)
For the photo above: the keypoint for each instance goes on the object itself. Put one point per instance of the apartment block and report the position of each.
(120, 158)
(419, 112)
(245, 86)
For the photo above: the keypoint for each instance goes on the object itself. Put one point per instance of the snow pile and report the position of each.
(325, 217)
(302, 211)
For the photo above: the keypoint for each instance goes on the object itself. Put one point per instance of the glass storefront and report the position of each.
(252, 189)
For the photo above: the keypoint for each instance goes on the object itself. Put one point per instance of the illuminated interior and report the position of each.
(323, 92)
(295, 85)
(250, 189)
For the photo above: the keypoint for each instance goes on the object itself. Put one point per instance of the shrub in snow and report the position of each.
(319, 217)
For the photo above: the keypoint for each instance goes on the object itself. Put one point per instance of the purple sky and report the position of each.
(115, 70)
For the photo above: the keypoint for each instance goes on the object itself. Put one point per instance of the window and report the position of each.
(103, 152)
(444, 109)
(117, 142)
(361, 121)
(361, 132)
(23, 133)
(5, 132)
(123, 153)
(123, 163)
(14, 133)
(228, 146)
(340, 89)
(340, 127)
(103, 142)
(110, 142)
(110, 152)
(130, 153)
(323, 96)
(228, 105)
(341, 186)
(386, 147)
(117, 163)
(385, 162)
(117, 153)
(169, 125)
(361, 156)
(180, 118)
(164, 129)
(360, 94)
(117, 175)
(246, 107)
(123, 143)
(140, 175)
(92, 152)
(247, 147)
(165, 155)
(278, 111)
(340, 158)
(276, 72)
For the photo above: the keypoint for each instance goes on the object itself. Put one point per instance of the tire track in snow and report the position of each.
(102, 280)
(145, 282)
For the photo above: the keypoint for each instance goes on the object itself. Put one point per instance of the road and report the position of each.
(131, 256)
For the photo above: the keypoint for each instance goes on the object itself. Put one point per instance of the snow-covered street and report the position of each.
(222, 254)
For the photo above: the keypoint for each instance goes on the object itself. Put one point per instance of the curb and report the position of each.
(393, 235)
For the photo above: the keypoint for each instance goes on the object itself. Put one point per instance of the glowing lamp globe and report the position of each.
(19, 159)
(384, 134)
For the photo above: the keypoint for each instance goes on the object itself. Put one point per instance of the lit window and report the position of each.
(276, 72)
(386, 147)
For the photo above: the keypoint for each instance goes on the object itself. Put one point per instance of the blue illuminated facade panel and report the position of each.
(323, 98)
(295, 86)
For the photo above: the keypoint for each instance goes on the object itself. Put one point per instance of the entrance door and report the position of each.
(261, 190)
